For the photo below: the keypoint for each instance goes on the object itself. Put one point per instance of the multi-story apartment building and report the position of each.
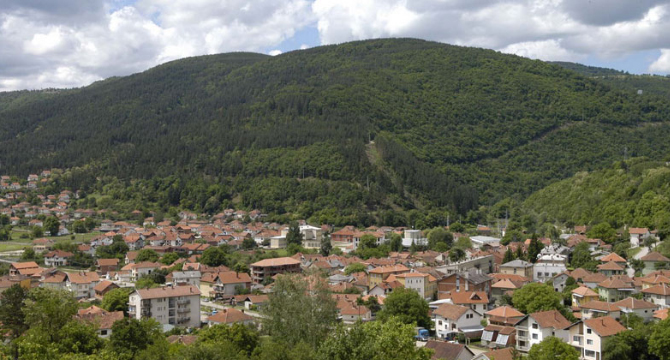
(264, 269)
(424, 284)
(379, 274)
(174, 305)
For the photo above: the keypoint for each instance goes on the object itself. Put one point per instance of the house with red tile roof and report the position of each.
(641, 308)
(100, 318)
(637, 236)
(82, 284)
(652, 261)
(229, 316)
(504, 315)
(658, 294)
(447, 350)
(538, 326)
(588, 336)
(264, 269)
(450, 320)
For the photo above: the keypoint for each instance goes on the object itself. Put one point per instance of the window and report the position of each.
(535, 326)
(589, 342)
(535, 336)
(439, 322)
(589, 353)
(522, 344)
(103, 332)
(588, 331)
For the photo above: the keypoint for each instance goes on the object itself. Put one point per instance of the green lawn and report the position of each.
(280, 252)
(10, 247)
(632, 252)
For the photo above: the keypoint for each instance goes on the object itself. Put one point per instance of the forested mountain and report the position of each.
(451, 128)
(634, 192)
(649, 84)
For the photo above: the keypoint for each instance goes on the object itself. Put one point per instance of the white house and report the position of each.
(658, 294)
(641, 308)
(548, 266)
(82, 284)
(57, 258)
(312, 236)
(637, 236)
(538, 326)
(191, 277)
(452, 319)
(413, 237)
(174, 305)
(587, 336)
(139, 269)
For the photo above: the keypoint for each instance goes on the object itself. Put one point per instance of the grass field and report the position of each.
(11, 247)
(632, 252)
(18, 241)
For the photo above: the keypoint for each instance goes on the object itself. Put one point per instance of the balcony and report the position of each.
(182, 310)
(577, 340)
(183, 302)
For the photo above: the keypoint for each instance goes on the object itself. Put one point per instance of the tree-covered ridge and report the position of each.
(634, 193)
(587, 70)
(454, 127)
(649, 84)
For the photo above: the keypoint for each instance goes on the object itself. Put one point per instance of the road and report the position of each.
(643, 252)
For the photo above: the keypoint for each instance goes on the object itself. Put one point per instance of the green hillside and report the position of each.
(453, 128)
(649, 84)
(633, 193)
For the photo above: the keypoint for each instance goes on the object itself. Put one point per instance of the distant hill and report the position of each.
(588, 70)
(452, 127)
(634, 193)
(649, 84)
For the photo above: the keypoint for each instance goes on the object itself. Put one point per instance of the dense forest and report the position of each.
(635, 192)
(335, 133)
(649, 84)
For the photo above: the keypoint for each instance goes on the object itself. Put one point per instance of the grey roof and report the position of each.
(341, 278)
(518, 263)
(474, 277)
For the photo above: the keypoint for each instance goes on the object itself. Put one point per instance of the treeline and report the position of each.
(633, 193)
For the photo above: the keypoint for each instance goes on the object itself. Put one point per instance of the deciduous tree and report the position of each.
(407, 306)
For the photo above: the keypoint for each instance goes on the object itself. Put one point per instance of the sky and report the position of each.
(72, 43)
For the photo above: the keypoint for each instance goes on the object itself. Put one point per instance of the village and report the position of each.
(176, 273)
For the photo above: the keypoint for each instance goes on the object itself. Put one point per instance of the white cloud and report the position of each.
(548, 50)
(662, 64)
(44, 45)
(274, 52)
(74, 42)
